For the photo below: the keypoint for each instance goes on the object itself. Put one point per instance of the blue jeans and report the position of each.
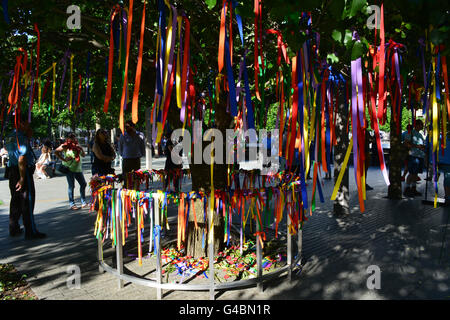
(71, 176)
(445, 169)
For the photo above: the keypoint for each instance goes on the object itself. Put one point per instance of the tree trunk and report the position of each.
(197, 239)
(341, 206)
(395, 160)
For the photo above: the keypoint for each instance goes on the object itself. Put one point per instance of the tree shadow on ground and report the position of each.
(404, 238)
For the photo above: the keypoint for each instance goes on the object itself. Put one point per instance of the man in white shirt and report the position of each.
(131, 149)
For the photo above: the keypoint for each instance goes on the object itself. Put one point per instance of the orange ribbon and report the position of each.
(125, 81)
(222, 35)
(444, 71)
(137, 81)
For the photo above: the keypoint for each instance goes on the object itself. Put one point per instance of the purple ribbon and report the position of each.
(124, 28)
(64, 61)
(183, 104)
(354, 69)
(86, 98)
(172, 47)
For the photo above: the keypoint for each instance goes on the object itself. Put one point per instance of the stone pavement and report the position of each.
(407, 240)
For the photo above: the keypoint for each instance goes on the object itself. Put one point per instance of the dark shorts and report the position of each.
(129, 165)
(415, 165)
(445, 169)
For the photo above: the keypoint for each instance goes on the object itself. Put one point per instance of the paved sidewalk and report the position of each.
(405, 239)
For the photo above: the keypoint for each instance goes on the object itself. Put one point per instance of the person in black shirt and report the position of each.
(172, 169)
(103, 154)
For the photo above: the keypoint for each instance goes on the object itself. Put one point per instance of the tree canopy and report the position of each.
(406, 21)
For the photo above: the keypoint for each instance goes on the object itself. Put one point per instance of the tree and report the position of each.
(299, 23)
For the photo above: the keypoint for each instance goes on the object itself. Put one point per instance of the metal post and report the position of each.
(119, 247)
(148, 140)
(211, 270)
(289, 248)
(259, 258)
(300, 244)
(100, 254)
(158, 248)
(212, 295)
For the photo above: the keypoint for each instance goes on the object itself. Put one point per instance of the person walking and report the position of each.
(70, 153)
(21, 166)
(172, 169)
(131, 149)
(369, 140)
(4, 156)
(405, 151)
(90, 146)
(103, 154)
(415, 142)
(444, 167)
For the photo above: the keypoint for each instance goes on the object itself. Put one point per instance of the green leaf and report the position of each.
(357, 5)
(211, 4)
(333, 58)
(357, 50)
(336, 35)
(348, 39)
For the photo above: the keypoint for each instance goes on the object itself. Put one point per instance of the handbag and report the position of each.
(6, 176)
(63, 169)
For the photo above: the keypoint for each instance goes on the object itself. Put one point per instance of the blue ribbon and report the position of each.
(248, 97)
(156, 233)
(437, 73)
(301, 115)
(160, 60)
(425, 104)
(5, 11)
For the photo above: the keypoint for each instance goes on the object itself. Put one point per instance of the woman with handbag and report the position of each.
(69, 152)
(104, 154)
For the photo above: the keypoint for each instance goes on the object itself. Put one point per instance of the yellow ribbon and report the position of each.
(54, 86)
(39, 84)
(341, 173)
(71, 82)
(178, 71)
(167, 55)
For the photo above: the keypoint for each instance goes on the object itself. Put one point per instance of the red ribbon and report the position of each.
(111, 58)
(258, 18)
(381, 60)
(79, 90)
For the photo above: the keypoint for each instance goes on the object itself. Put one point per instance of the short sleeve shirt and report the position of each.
(18, 145)
(416, 137)
(74, 166)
